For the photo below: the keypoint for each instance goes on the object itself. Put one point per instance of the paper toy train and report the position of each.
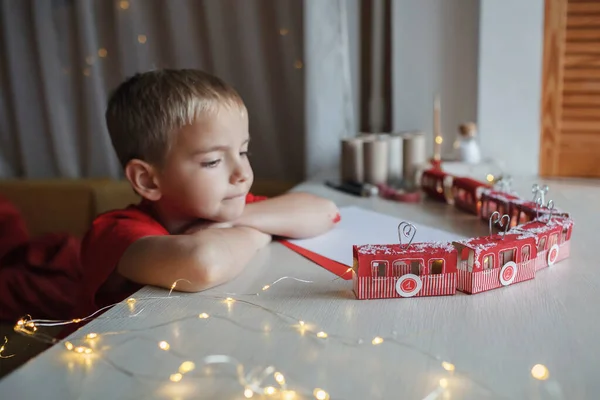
(531, 236)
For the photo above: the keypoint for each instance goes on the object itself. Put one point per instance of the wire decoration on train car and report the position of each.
(532, 235)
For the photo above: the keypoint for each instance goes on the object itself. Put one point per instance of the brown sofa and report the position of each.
(71, 205)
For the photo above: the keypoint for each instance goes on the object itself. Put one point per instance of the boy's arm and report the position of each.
(292, 215)
(206, 258)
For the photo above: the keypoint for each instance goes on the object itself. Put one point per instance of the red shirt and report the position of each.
(104, 245)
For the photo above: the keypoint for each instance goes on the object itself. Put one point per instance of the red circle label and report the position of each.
(553, 254)
(508, 273)
(408, 285)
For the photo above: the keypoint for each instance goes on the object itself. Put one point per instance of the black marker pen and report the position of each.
(352, 188)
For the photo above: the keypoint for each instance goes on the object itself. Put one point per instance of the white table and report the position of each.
(493, 339)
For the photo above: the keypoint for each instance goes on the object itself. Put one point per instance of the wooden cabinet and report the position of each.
(570, 125)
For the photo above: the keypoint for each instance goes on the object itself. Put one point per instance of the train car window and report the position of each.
(378, 268)
(436, 266)
(525, 253)
(439, 186)
(415, 267)
(506, 256)
(399, 268)
(553, 239)
(542, 244)
(488, 262)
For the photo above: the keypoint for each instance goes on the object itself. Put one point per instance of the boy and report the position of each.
(182, 139)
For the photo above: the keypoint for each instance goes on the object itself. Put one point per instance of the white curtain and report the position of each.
(59, 60)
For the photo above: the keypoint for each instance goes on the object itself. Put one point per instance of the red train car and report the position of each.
(552, 236)
(523, 211)
(494, 200)
(396, 270)
(467, 194)
(436, 184)
(490, 262)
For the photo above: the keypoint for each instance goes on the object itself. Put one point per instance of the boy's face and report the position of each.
(206, 172)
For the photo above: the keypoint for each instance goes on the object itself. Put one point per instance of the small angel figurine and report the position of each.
(466, 145)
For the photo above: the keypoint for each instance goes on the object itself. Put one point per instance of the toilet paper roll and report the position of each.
(352, 160)
(414, 155)
(375, 160)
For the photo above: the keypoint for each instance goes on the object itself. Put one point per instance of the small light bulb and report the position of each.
(92, 335)
(248, 393)
(298, 64)
(269, 390)
(203, 315)
(540, 372)
(322, 335)
(279, 378)
(142, 39)
(301, 323)
(102, 52)
(79, 349)
(69, 345)
(320, 394)
(448, 366)
(444, 383)
(230, 300)
(88, 351)
(77, 320)
(186, 367)
(490, 177)
(377, 340)
(124, 4)
(283, 31)
(175, 377)
(265, 287)
(288, 395)
(439, 139)
(131, 300)
(164, 345)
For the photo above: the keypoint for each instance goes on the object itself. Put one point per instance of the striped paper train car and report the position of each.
(494, 261)
(552, 237)
(396, 270)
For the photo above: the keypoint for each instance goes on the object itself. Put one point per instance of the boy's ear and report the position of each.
(142, 177)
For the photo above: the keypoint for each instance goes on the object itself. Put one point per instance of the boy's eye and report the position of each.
(210, 164)
(245, 153)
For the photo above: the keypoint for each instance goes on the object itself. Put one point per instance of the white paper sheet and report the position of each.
(360, 226)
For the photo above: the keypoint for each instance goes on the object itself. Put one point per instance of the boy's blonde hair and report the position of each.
(145, 110)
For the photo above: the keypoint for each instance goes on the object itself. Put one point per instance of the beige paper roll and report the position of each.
(375, 159)
(352, 160)
(395, 157)
(414, 155)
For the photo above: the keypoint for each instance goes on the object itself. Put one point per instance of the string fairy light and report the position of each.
(3, 347)
(270, 285)
(251, 384)
(174, 285)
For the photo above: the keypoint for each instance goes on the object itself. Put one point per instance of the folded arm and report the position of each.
(292, 215)
(206, 258)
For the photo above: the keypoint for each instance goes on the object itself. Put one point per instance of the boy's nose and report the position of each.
(240, 174)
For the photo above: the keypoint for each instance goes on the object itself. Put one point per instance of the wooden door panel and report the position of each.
(570, 132)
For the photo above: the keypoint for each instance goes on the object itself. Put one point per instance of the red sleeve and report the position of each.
(250, 198)
(108, 238)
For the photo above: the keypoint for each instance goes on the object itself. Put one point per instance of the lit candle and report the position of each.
(437, 146)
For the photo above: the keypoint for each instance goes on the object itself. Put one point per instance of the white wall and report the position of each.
(434, 50)
(510, 74)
